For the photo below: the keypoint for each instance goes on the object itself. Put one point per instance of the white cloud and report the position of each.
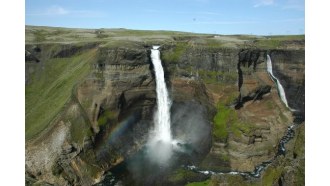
(259, 3)
(51, 11)
(56, 10)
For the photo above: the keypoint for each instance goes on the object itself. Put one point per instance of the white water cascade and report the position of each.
(160, 143)
(278, 83)
(162, 115)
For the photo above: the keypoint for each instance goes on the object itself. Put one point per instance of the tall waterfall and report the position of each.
(162, 115)
(278, 83)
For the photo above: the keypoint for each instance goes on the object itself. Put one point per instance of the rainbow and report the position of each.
(112, 135)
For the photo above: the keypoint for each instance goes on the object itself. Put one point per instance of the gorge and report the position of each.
(91, 102)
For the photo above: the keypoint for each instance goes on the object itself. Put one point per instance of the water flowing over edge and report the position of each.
(162, 116)
(278, 83)
(256, 173)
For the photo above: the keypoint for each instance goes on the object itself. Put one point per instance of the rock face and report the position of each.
(110, 111)
(292, 77)
(115, 96)
(263, 119)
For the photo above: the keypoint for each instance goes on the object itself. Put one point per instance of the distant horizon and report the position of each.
(161, 31)
(225, 17)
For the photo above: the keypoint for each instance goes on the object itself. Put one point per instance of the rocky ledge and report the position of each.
(222, 94)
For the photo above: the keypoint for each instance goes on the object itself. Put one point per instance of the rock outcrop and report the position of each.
(110, 112)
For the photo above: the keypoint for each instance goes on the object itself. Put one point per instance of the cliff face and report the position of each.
(238, 78)
(292, 77)
(116, 97)
(222, 94)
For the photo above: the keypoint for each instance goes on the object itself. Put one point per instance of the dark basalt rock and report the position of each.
(255, 95)
(132, 97)
(70, 50)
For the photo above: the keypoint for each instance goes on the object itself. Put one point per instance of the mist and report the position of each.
(191, 142)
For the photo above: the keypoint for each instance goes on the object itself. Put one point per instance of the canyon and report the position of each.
(91, 99)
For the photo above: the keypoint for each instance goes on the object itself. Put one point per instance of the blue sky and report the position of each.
(259, 17)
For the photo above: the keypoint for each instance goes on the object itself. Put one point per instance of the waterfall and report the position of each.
(162, 115)
(278, 83)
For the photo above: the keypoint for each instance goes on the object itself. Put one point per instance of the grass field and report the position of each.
(48, 91)
(40, 34)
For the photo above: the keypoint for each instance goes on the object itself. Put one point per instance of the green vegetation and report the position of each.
(181, 175)
(225, 157)
(101, 33)
(61, 32)
(277, 41)
(299, 146)
(128, 32)
(226, 121)
(300, 173)
(80, 129)
(271, 175)
(107, 116)
(213, 43)
(228, 179)
(39, 35)
(221, 122)
(203, 183)
(283, 117)
(89, 163)
(268, 43)
(174, 56)
(288, 37)
(299, 152)
(213, 77)
(50, 88)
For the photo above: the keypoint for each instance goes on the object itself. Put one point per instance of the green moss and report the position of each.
(236, 180)
(107, 116)
(225, 157)
(271, 175)
(50, 88)
(208, 76)
(80, 129)
(226, 121)
(300, 174)
(221, 122)
(203, 183)
(181, 175)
